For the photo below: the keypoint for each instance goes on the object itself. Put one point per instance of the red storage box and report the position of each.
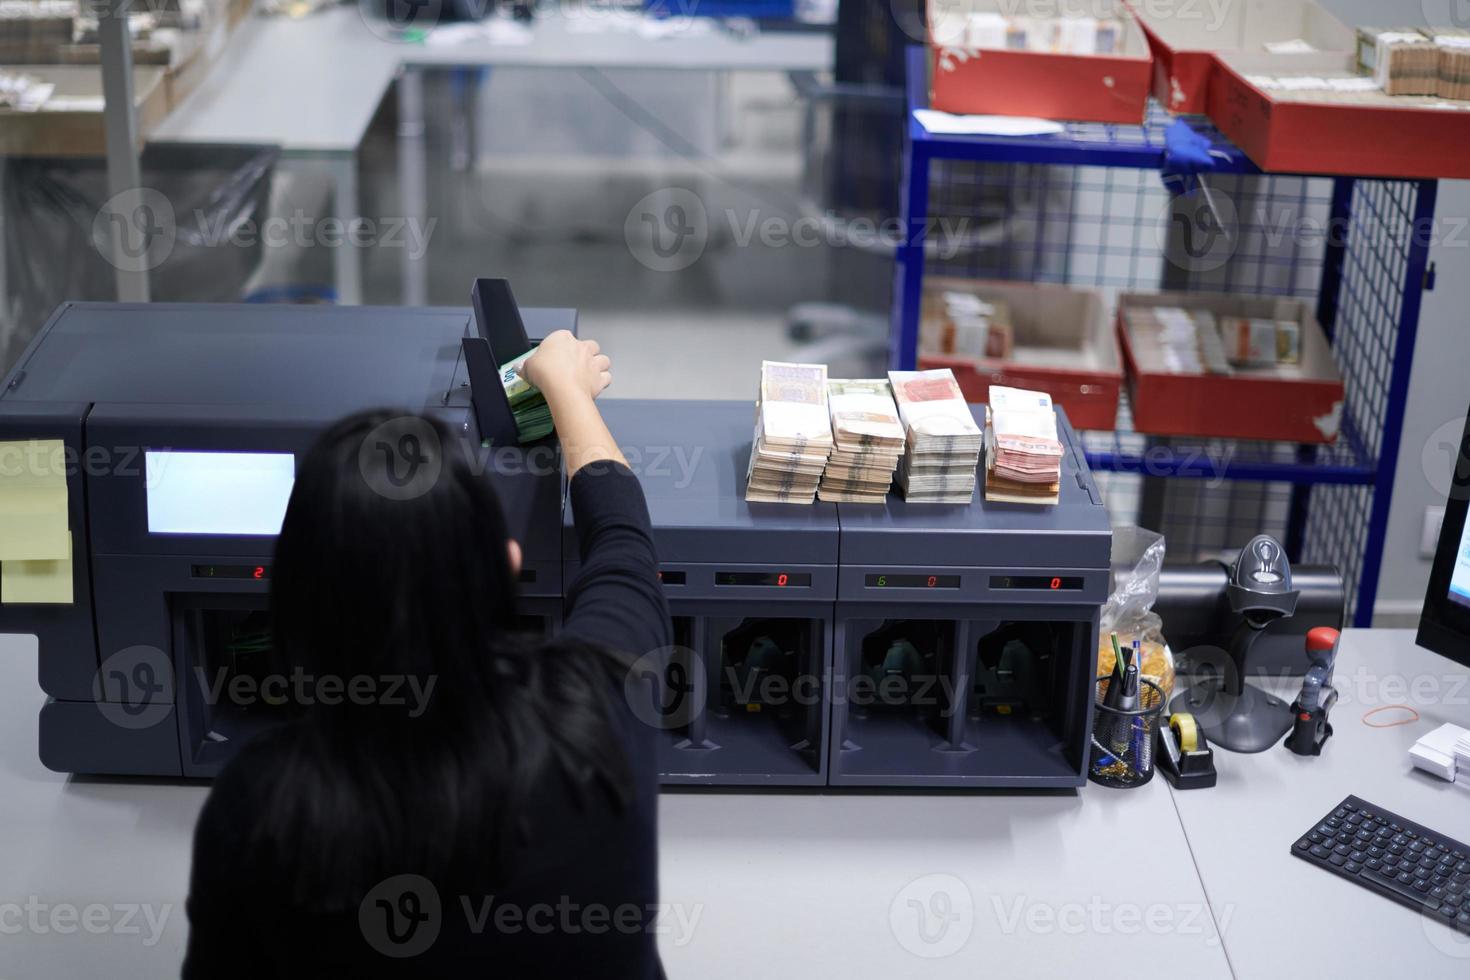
(969, 79)
(1185, 38)
(1064, 346)
(1287, 403)
(1309, 132)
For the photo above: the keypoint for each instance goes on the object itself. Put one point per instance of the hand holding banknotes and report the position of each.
(569, 373)
(562, 362)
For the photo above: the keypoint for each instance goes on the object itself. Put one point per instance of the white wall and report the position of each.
(1439, 390)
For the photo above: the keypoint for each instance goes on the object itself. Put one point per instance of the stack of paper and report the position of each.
(1025, 455)
(868, 442)
(942, 442)
(1438, 753)
(793, 434)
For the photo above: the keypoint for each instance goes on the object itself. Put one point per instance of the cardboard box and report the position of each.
(1064, 346)
(1185, 38)
(994, 80)
(1286, 403)
(78, 130)
(1367, 134)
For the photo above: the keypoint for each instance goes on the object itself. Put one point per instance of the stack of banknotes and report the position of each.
(868, 442)
(1023, 451)
(942, 442)
(793, 434)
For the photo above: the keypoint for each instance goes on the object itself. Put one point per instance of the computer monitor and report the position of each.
(1444, 626)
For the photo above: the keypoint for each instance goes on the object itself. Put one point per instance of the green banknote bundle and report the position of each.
(527, 404)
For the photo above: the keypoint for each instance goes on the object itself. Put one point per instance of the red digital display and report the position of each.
(1045, 583)
(779, 580)
(260, 573)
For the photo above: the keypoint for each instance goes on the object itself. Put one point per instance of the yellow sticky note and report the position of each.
(33, 503)
(44, 580)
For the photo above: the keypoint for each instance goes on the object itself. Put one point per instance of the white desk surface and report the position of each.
(312, 86)
(803, 885)
(1287, 918)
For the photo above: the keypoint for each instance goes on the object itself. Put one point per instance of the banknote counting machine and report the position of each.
(847, 644)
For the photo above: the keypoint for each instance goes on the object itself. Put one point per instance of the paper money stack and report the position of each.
(942, 442)
(1454, 62)
(1023, 452)
(793, 434)
(975, 327)
(868, 440)
(527, 404)
(1402, 60)
(31, 33)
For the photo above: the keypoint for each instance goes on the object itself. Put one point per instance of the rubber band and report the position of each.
(1391, 707)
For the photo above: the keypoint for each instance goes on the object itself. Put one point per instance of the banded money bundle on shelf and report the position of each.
(793, 434)
(1454, 62)
(1403, 61)
(1189, 340)
(868, 441)
(942, 443)
(1024, 455)
(973, 326)
(1055, 35)
(527, 404)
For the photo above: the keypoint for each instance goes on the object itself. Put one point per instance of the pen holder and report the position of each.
(1123, 741)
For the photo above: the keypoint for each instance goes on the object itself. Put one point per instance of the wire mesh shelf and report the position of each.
(1086, 208)
(1345, 462)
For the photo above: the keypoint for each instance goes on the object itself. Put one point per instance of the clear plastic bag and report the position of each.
(1138, 556)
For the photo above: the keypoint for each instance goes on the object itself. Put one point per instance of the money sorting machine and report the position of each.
(936, 645)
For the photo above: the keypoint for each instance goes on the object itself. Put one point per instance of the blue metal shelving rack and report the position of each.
(1366, 275)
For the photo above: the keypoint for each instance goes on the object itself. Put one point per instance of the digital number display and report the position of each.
(261, 573)
(1044, 583)
(911, 581)
(671, 578)
(778, 580)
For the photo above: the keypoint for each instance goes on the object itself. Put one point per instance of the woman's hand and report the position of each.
(562, 364)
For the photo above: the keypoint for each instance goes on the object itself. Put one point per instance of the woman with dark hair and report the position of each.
(495, 812)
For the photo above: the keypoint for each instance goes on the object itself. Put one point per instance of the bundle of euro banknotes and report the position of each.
(527, 404)
(793, 434)
(868, 440)
(942, 442)
(1023, 452)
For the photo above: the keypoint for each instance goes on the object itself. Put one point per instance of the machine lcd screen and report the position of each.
(218, 493)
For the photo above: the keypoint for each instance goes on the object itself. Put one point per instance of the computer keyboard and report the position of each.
(1380, 850)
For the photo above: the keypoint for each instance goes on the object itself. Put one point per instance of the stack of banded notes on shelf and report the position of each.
(1189, 340)
(1055, 35)
(793, 434)
(868, 441)
(1454, 62)
(527, 404)
(942, 442)
(1402, 60)
(1023, 451)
